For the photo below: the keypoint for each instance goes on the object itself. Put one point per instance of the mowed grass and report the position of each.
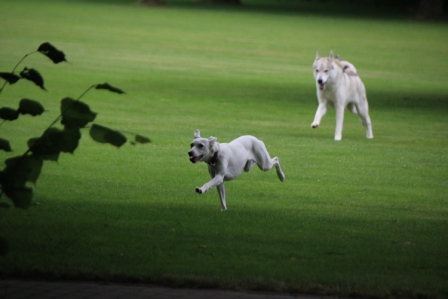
(357, 217)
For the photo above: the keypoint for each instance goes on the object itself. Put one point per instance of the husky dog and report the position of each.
(227, 160)
(339, 86)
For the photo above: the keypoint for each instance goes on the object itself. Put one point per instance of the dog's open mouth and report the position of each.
(196, 159)
(322, 85)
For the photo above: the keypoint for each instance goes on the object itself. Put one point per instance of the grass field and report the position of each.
(353, 218)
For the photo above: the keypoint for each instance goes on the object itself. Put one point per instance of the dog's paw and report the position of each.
(313, 125)
(281, 176)
(198, 190)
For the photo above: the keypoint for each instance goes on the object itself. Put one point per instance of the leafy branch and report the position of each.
(31, 74)
(75, 115)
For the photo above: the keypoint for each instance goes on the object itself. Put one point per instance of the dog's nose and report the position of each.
(190, 154)
(320, 81)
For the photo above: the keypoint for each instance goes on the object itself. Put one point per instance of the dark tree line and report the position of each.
(431, 9)
(425, 9)
(421, 9)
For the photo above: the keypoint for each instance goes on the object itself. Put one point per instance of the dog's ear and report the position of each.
(317, 55)
(212, 140)
(197, 134)
(213, 144)
(331, 56)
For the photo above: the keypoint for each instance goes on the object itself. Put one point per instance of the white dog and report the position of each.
(227, 160)
(339, 86)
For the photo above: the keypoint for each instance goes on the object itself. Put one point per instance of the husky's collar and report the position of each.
(214, 159)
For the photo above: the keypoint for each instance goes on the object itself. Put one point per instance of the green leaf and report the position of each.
(51, 52)
(109, 87)
(33, 76)
(32, 107)
(11, 78)
(76, 113)
(39, 148)
(19, 170)
(46, 152)
(7, 113)
(4, 145)
(20, 196)
(54, 141)
(142, 139)
(103, 134)
(70, 139)
(49, 145)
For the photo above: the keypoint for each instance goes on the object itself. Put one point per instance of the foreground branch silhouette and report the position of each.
(75, 115)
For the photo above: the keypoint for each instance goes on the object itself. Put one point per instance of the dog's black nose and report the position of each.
(320, 81)
(190, 154)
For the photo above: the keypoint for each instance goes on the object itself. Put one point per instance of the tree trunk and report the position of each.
(430, 9)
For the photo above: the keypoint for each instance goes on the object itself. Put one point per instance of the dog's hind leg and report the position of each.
(280, 173)
(222, 196)
(352, 108)
(363, 109)
(273, 162)
(264, 161)
(249, 165)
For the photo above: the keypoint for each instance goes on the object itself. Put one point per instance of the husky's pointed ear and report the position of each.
(331, 55)
(317, 55)
(197, 134)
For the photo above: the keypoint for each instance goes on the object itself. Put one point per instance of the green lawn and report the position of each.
(357, 217)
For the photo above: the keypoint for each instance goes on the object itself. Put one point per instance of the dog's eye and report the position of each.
(326, 71)
(191, 145)
(317, 71)
(200, 146)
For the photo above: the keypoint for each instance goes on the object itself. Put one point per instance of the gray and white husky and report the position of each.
(339, 86)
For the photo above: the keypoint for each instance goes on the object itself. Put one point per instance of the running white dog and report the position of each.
(227, 160)
(339, 86)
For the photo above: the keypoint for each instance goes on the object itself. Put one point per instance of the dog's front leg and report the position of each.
(339, 122)
(321, 110)
(222, 196)
(215, 181)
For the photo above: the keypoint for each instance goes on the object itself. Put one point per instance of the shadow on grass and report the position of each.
(397, 99)
(185, 245)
